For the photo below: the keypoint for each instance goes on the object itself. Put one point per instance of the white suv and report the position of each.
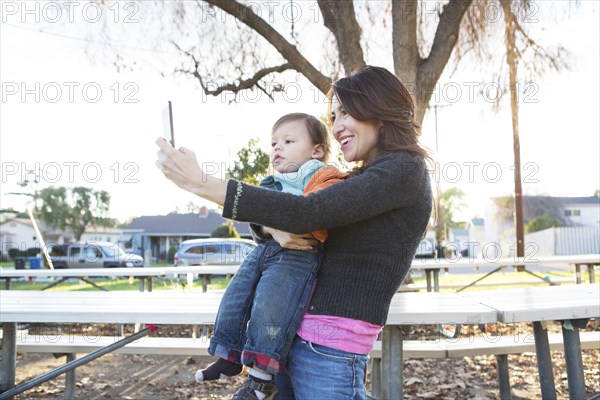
(213, 251)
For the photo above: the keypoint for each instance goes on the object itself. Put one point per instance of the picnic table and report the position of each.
(432, 267)
(573, 305)
(568, 303)
(144, 275)
(175, 307)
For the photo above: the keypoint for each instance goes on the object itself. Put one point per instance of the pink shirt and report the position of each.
(346, 334)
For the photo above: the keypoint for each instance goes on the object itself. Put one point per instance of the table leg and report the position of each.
(503, 377)
(7, 283)
(70, 379)
(9, 355)
(376, 378)
(141, 278)
(205, 283)
(428, 278)
(572, 345)
(544, 361)
(392, 363)
(149, 283)
(436, 280)
(591, 275)
(61, 280)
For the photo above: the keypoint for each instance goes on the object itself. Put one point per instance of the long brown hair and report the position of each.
(375, 94)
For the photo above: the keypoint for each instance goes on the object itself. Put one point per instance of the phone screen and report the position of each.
(168, 124)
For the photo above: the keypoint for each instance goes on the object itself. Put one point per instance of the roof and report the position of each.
(593, 200)
(182, 224)
(579, 200)
(24, 221)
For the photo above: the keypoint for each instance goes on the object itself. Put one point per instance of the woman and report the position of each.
(375, 219)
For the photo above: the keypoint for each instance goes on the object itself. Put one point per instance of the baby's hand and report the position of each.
(291, 241)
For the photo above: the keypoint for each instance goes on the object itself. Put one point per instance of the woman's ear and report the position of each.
(318, 152)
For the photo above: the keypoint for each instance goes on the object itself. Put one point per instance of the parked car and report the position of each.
(426, 249)
(213, 251)
(92, 255)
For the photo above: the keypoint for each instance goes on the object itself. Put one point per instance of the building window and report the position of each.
(572, 213)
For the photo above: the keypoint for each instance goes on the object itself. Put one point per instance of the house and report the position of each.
(476, 228)
(577, 213)
(20, 233)
(17, 233)
(159, 233)
(458, 239)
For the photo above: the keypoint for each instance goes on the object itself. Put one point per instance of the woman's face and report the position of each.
(358, 139)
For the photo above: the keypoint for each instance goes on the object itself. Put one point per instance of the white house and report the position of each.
(582, 211)
(580, 214)
(17, 233)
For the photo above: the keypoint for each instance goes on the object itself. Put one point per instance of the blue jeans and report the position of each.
(319, 372)
(263, 305)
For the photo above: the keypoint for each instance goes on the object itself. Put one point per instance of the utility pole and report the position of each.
(438, 209)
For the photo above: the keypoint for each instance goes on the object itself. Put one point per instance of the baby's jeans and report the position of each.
(263, 305)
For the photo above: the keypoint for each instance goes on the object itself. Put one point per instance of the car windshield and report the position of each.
(113, 251)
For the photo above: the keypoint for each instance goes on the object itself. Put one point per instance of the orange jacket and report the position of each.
(325, 177)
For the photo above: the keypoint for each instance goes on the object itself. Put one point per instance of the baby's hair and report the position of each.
(316, 130)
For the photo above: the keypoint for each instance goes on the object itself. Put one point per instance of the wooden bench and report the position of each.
(177, 346)
(499, 346)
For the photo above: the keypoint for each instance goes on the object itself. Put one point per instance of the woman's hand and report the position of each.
(290, 241)
(182, 168)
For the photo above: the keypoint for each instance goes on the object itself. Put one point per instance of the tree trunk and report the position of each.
(339, 17)
(429, 69)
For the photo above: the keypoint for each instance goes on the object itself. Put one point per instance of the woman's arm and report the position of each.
(395, 180)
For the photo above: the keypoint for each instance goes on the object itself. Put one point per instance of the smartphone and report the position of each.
(168, 134)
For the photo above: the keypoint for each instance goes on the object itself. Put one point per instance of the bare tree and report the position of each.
(230, 46)
(226, 54)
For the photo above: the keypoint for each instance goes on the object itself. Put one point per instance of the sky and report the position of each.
(69, 118)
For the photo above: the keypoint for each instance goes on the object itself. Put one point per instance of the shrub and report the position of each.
(541, 222)
(225, 231)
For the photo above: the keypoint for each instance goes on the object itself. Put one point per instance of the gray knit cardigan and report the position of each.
(375, 219)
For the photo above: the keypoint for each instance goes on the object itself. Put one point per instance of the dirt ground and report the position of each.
(123, 376)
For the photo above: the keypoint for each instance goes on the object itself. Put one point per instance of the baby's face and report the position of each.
(291, 146)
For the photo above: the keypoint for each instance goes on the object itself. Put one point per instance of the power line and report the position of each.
(122, 46)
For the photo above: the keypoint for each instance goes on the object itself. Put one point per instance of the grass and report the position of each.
(502, 279)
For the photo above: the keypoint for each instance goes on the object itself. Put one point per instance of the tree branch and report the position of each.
(404, 40)
(285, 48)
(339, 17)
(241, 84)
